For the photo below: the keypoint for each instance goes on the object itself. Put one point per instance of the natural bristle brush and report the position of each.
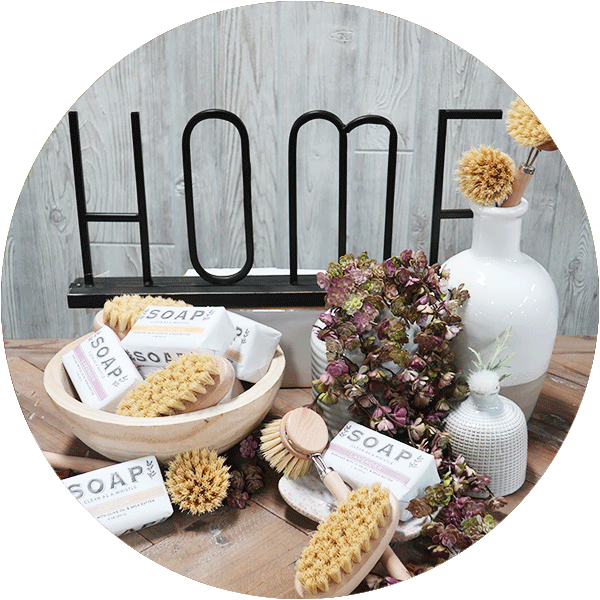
(121, 312)
(198, 480)
(486, 175)
(348, 544)
(294, 442)
(192, 382)
(527, 130)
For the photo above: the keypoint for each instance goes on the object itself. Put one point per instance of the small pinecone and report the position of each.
(253, 476)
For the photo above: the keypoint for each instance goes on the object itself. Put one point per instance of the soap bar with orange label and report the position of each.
(163, 333)
(124, 497)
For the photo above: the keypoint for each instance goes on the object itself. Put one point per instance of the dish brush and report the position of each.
(527, 130)
(122, 312)
(198, 480)
(192, 382)
(346, 546)
(295, 442)
(486, 176)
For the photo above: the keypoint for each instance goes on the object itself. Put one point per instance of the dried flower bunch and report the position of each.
(485, 175)
(387, 334)
(524, 127)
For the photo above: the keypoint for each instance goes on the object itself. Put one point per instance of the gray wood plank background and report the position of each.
(269, 63)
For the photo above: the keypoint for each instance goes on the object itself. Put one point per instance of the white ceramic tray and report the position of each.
(308, 496)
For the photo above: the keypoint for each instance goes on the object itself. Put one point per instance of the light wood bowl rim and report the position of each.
(55, 371)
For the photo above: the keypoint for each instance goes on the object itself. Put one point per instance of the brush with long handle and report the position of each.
(527, 130)
(348, 544)
(81, 464)
(294, 442)
(486, 176)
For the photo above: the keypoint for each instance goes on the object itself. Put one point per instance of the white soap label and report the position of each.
(100, 370)
(162, 334)
(124, 497)
(361, 455)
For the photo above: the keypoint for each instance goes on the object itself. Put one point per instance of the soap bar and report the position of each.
(364, 456)
(100, 370)
(252, 349)
(124, 497)
(162, 334)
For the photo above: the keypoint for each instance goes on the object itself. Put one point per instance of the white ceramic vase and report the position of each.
(507, 289)
(490, 431)
(335, 415)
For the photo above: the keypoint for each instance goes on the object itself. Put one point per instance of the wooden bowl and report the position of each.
(122, 438)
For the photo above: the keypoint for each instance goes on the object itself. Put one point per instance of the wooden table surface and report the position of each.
(220, 549)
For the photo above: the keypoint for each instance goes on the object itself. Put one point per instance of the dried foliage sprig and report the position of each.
(387, 333)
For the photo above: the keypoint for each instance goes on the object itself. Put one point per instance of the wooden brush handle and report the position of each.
(519, 184)
(98, 323)
(393, 565)
(75, 463)
(224, 383)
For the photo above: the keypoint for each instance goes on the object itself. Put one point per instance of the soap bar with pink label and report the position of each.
(363, 456)
(100, 370)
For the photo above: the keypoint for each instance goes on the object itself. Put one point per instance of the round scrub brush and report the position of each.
(288, 444)
(198, 480)
(486, 175)
(527, 130)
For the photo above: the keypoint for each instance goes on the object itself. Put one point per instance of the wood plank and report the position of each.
(574, 344)
(213, 549)
(388, 55)
(572, 263)
(136, 541)
(46, 426)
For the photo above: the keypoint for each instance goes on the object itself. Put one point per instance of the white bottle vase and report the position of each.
(507, 289)
(490, 431)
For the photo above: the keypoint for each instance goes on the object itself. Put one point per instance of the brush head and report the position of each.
(198, 480)
(346, 546)
(486, 175)
(122, 312)
(526, 129)
(287, 443)
(173, 389)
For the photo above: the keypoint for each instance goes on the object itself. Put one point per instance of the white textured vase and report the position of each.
(507, 289)
(490, 431)
(335, 415)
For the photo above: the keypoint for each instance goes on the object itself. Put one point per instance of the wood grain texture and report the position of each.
(269, 63)
(253, 550)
